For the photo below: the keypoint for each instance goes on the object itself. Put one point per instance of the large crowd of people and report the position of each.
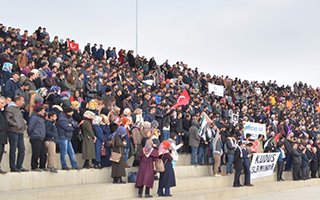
(112, 105)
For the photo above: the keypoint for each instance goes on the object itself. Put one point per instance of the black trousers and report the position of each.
(296, 171)
(237, 175)
(147, 192)
(38, 152)
(1, 151)
(279, 170)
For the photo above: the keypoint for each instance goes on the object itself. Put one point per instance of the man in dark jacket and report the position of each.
(37, 133)
(12, 85)
(238, 164)
(66, 126)
(16, 128)
(151, 115)
(194, 141)
(3, 130)
(100, 52)
(296, 162)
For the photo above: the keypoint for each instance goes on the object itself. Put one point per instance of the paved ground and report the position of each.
(312, 192)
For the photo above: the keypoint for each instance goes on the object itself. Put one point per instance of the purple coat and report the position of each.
(145, 176)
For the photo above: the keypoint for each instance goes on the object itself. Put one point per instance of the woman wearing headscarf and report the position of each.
(118, 144)
(88, 149)
(167, 178)
(99, 141)
(145, 172)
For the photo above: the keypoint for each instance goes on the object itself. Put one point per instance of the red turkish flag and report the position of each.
(183, 99)
(73, 46)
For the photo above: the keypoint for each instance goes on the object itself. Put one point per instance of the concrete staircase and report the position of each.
(192, 183)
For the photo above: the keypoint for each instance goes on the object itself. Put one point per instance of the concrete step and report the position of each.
(36, 180)
(184, 159)
(187, 188)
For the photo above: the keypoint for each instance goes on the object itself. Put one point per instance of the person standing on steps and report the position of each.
(37, 134)
(296, 162)
(194, 141)
(167, 178)
(281, 159)
(246, 164)
(65, 127)
(16, 128)
(238, 164)
(145, 176)
(3, 130)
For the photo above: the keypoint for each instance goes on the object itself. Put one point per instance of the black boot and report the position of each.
(115, 180)
(86, 164)
(147, 194)
(140, 192)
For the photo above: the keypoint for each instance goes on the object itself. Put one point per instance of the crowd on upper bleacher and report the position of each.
(96, 102)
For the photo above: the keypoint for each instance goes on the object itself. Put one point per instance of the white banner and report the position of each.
(263, 164)
(255, 129)
(217, 89)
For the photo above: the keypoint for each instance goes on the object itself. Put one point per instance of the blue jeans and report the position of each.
(16, 141)
(230, 164)
(66, 147)
(126, 151)
(165, 135)
(194, 155)
(201, 152)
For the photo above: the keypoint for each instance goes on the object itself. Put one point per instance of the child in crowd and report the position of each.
(51, 139)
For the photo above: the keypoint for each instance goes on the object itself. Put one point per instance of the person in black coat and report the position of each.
(314, 165)
(238, 164)
(246, 166)
(167, 178)
(3, 130)
(296, 162)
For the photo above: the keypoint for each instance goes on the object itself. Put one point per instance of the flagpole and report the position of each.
(136, 27)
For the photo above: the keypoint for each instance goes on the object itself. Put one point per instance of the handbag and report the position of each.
(115, 157)
(103, 151)
(159, 165)
(80, 135)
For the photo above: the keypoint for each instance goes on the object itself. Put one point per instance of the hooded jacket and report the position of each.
(194, 137)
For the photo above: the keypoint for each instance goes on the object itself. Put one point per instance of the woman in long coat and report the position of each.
(118, 168)
(88, 148)
(167, 178)
(145, 176)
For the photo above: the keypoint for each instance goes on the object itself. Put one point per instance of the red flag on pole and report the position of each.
(183, 99)
(73, 46)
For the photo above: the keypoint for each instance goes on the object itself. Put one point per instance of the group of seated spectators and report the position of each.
(81, 100)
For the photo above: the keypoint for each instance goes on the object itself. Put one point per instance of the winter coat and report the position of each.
(88, 148)
(65, 126)
(145, 176)
(3, 128)
(118, 169)
(51, 132)
(36, 127)
(11, 87)
(167, 178)
(238, 165)
(194, 137)
(15, 119)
